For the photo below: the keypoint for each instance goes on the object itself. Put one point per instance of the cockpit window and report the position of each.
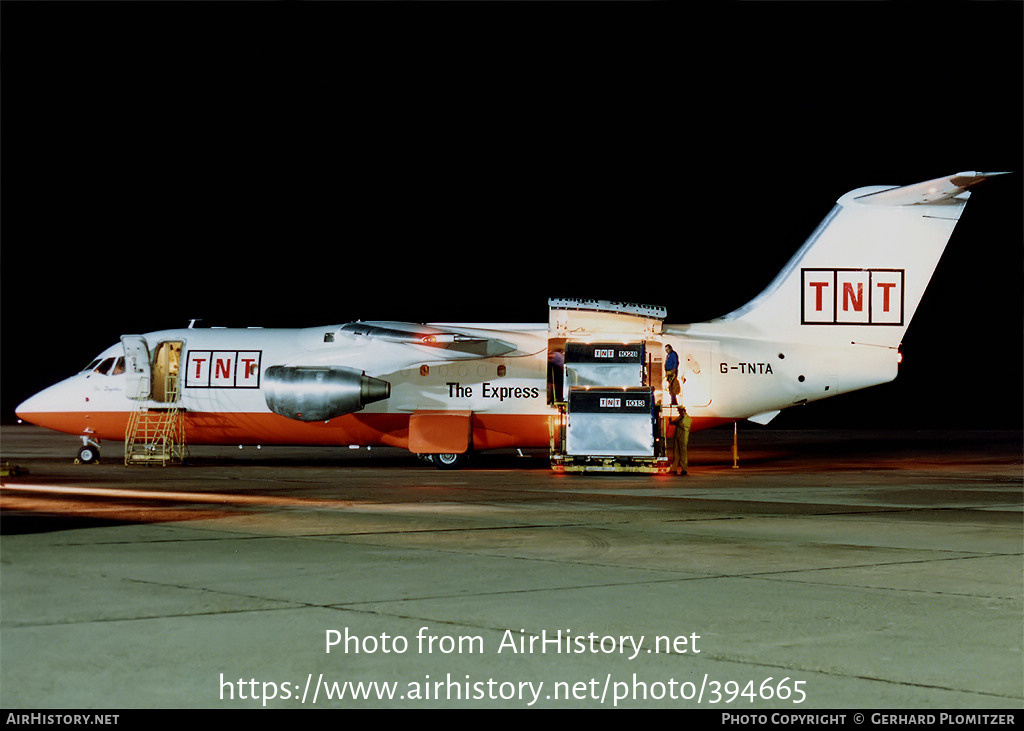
(112, 366)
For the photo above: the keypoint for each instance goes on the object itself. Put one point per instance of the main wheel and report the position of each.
(449, 461)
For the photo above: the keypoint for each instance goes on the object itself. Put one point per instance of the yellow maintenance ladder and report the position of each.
(156, 434)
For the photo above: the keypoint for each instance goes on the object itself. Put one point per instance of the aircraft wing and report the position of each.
(430, 336)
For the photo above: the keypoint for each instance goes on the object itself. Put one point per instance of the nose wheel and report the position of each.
(89, 452)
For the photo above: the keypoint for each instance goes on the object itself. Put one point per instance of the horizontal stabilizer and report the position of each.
(928, 192)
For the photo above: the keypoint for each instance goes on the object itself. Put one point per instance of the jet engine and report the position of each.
(319, 393)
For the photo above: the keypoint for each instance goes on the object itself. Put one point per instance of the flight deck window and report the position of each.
(91, 366)
(104, 367)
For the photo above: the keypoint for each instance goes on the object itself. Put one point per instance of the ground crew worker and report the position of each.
(556, 375)
(672, 372)
(680, 440)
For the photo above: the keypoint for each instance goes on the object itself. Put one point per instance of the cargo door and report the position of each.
(138, 373)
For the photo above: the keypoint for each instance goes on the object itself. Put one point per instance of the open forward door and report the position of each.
(138, 373)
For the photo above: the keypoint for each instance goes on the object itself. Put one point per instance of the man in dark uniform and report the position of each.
(672, 372)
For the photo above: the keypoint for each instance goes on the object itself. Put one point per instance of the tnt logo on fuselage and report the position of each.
(851, 296)
(223, 369)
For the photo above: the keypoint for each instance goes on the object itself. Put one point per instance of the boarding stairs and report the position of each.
(156, 434)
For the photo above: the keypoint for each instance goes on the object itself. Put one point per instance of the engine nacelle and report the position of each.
(319, 393)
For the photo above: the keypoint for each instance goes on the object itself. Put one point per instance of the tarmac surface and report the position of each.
(828, 570)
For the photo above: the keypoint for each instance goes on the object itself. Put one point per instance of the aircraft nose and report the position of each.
(48, 407)
(31, 408)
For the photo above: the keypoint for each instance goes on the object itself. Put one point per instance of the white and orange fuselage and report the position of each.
(831, 322)
(226, 397)
(223, 389)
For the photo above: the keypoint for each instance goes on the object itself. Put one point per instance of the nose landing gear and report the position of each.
(89, 452)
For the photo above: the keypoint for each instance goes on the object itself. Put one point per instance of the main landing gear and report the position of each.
(448, 461)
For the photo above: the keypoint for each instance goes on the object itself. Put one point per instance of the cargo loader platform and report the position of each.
(607, 391)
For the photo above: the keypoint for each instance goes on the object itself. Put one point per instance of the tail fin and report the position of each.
(862, 273)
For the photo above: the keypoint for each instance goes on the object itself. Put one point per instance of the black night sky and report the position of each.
(283, 164)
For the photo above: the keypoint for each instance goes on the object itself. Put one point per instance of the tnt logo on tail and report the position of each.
(852, 296)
